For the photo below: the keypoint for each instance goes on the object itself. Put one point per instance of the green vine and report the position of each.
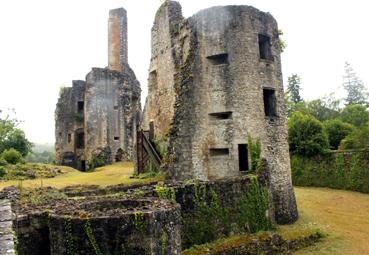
(255, 151)
(139, 221)
(69, 236)
(91, 238)
(163, 242)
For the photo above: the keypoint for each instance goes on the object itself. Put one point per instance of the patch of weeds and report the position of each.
(165, 192)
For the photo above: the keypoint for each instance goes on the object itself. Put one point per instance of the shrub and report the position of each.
(336, 131)
(12, 156)
(358, 139)
(306, 136)
(2, 171)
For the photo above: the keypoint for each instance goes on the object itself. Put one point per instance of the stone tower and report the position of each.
(96, 119)
(215, 80)
(117, 43)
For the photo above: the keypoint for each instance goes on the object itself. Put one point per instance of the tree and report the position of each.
(294, 88)
(355, 114)
(337, 130)
(356, 92)
(12, 137)
(306, 136)
(325, 108)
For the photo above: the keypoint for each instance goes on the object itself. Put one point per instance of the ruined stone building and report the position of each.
(96, 119)
(215, 79)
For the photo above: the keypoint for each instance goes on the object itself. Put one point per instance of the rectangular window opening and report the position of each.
(264, 47)
(116, 138)
(218, 59)
(80, 143)
(81, 106)
(69, 138)
(220, 115)
(60, 134)
(243, 157)
(219, 152)
(115, 107)
(269, 102)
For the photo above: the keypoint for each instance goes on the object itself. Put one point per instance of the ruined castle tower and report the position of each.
(215, 80)
(96, 119)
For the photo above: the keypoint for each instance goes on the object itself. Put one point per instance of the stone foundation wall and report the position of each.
(140, 226)
(6, 231)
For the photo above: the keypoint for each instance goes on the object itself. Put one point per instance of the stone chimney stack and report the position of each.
(117, 44)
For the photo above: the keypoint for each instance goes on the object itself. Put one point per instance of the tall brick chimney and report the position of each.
(117, 44)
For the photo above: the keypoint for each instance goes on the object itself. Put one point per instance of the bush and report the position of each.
(358, 139)
(349, 171)
(12, 156)
(306, 136)
(336, 131)
(2, 171)
(3, 162)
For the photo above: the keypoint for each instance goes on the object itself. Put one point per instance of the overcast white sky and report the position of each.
(47, 43)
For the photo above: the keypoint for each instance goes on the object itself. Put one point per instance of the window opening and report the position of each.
(243, 157)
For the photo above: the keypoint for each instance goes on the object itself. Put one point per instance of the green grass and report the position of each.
(103, 176)
(343, 215)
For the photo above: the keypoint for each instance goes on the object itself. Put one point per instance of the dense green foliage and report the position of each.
(336, 130)
(255, 151)
(12, 156)
(211, 219)
(306, 135)
(347, 171)
(11, 136)
(358, 139)
(355, 114)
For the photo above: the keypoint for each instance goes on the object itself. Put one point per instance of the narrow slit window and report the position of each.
(80, 106)
(219, 152)
(269, 102)
(220, 115)
(60, 134)
(243, 157)
(264, 47)
(69, 138)
(218, 59)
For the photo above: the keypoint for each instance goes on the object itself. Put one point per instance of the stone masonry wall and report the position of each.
(112, 112)
(118, 226)
(161, 95)
(228, 86)
(6, 230)
(118, 42)
(68, 119)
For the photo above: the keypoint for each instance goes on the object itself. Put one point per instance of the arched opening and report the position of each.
(119, 155)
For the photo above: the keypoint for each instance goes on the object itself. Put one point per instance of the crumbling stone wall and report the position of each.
(112, 113)
(227, 86)
(69, 119)
(118, 226)
(96, 120)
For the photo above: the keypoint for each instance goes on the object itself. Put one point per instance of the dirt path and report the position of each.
(343, 215)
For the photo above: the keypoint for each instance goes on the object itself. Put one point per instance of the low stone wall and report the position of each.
(6, 231)
(110, 226)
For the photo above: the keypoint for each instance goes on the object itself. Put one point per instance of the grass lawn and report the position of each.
(108, 175)
(343, 215)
